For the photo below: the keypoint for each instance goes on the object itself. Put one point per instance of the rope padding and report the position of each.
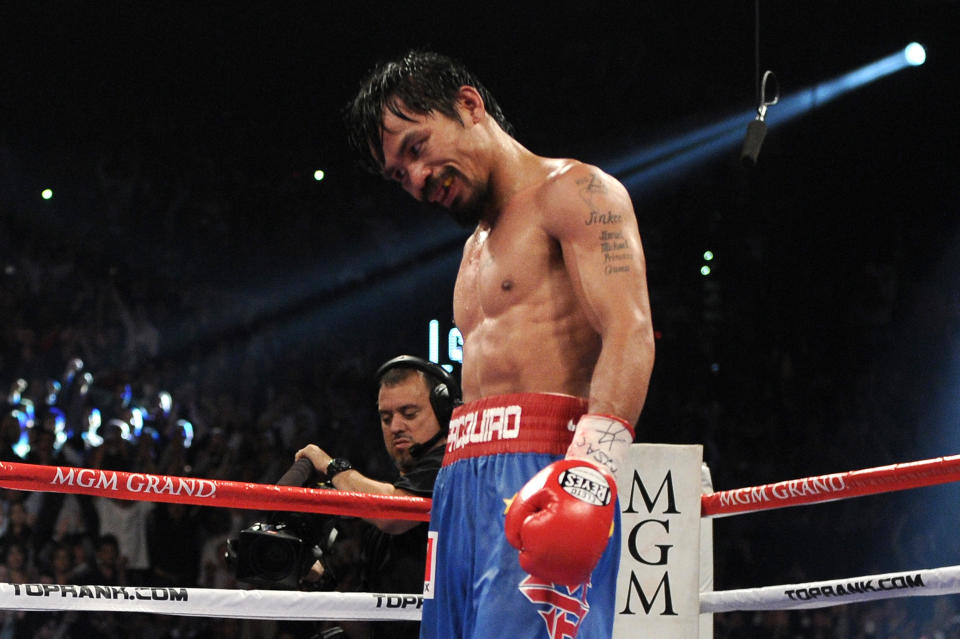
(232, 494)
(212, 602)
(855, 483)
(209, 492)
(838, 592)
(318, 606)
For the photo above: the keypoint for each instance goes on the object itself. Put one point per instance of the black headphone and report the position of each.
(445, 394)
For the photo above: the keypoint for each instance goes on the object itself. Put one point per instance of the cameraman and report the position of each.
(415, 400)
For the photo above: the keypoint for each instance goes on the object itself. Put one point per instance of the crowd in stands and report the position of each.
(85, 386)
(185, 383)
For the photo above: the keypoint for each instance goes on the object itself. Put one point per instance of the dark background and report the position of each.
(180, 140)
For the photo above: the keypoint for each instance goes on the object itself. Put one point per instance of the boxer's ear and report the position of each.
(470, 104)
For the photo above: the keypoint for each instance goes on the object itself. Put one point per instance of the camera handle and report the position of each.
(298, 474)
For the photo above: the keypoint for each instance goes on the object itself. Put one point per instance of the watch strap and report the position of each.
(336, 466)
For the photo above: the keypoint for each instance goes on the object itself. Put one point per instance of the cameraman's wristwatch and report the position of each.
(337, 465)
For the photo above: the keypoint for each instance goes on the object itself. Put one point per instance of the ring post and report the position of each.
(706, 553)
(658, 588)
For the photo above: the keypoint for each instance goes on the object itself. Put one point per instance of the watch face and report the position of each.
(338, 466)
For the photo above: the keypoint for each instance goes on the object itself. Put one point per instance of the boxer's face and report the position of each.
(406, 418)
(437, 160)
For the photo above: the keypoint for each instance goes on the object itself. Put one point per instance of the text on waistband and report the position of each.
(477, 427)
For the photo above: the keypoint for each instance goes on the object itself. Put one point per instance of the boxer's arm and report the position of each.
(356, 482)
(590, 214)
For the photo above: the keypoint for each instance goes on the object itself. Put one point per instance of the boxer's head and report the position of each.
(412, 121)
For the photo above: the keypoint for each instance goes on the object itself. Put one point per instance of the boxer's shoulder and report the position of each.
(562, 180)
(567, 176)
(578, 195)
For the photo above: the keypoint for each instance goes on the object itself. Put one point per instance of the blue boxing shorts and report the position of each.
(474, 587)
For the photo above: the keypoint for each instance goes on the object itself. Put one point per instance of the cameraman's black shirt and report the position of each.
(395, 563)
(423, 476)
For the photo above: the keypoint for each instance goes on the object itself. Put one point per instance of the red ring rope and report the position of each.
(232, 494)
(854, 483)
(209, 492)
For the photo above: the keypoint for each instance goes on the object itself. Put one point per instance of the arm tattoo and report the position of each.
(590, 186)
(616, 254)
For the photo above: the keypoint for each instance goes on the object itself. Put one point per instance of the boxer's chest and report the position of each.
(504, 268)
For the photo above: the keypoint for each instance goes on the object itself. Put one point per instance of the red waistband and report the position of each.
(516, 423)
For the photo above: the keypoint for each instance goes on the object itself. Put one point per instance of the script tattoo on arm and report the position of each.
(613, 247)
(616, 253)
(593, 189)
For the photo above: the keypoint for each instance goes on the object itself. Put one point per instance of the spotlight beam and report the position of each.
(647, 169)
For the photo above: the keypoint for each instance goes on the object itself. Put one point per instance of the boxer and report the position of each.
(552, 302)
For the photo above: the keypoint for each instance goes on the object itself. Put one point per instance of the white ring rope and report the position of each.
(320, 606)
(838, 592)
(212, 602)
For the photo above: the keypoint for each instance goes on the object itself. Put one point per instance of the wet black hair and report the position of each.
(420, 82)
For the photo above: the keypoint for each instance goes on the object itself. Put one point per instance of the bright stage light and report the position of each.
(318, 175)
(46, 194)
(708, 255)
(915, 54)
(705, 270)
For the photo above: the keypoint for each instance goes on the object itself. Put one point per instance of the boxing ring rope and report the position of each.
(213, 602)
(334, 606)
(209, 492)
(855, 483)
(836, 592)
(267, 604)
(232, 494)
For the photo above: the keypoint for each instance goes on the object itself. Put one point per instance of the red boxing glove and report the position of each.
(562, 519)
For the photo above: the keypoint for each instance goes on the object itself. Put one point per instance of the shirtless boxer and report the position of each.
(552, 302)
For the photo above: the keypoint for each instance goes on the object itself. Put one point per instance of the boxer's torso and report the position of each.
(516, 306)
